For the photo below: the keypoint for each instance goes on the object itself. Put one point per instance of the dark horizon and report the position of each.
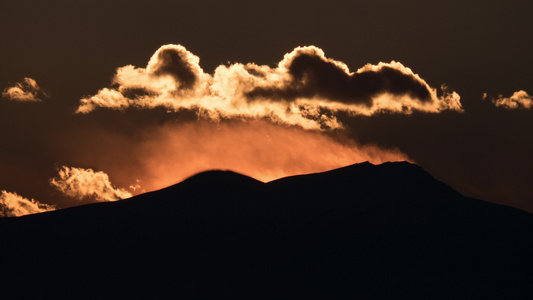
(371, 231)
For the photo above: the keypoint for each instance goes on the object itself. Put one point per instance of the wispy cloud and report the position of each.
(519, 99)
(305, 89)
(25, 91)
(14, 205)
(163, 154)
(80, 183)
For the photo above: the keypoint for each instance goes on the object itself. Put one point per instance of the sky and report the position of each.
(102, 100)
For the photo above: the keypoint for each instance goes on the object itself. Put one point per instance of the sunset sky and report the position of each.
(102, 100)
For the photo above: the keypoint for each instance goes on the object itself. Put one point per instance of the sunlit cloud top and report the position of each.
(306, 89)
(25, 91)
(519, 99)
(80, 183)
(14, 205)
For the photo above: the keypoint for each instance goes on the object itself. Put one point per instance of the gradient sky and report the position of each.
(69, 51)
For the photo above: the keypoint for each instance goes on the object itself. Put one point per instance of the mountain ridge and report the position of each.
(372, 231)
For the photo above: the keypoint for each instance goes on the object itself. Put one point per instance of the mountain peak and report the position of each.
(220, 176)
(360, 231)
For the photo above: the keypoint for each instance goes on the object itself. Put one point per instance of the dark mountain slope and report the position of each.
(385, 231)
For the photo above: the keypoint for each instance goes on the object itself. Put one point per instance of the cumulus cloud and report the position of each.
(519, 99)
(25, 91)
(305, 89)
(13, 205)
(80, 183)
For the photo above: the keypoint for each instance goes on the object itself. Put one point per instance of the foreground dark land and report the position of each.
(365, 231)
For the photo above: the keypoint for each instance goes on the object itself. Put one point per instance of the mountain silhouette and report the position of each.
(362, 231)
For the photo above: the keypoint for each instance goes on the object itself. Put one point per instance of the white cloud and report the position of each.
(25, 91)
(305, 89)
(13, 205)
(79, 183)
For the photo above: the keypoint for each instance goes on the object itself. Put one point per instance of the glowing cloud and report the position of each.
(13, 205)
(305, 89)
(519, 99)
(25, 91)
(161, 155)
(80, 183)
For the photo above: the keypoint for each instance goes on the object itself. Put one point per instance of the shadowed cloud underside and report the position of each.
(305, 89)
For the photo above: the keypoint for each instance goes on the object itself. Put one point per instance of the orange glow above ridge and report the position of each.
(172, 152)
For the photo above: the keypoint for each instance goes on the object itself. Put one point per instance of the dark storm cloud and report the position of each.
(314, 76)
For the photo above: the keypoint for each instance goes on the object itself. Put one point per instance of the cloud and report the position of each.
(80, 183)
(13, 205)
(178, 63)
(519, 99)
(305, 89)
(161, 155)
(306, 73)
(25, 91)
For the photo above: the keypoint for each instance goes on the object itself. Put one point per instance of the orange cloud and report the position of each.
(519, 99)
(13, 205)
(305, 89)
(79, 183)
(167, 154)
(25, 91)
